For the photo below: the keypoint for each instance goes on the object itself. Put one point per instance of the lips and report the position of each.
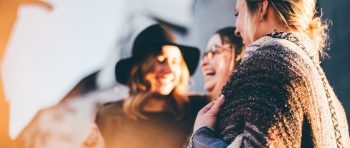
(209, 79)
(209, 73)
(208, 70)
(165, 79)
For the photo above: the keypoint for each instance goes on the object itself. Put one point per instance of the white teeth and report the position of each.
(166, 79)
(209, 73)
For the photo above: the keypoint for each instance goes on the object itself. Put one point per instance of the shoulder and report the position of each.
(290, 49)
(117, 104)
(111, 109)
(269, 45)
(273, 57)
(270, 64)
(110, 115)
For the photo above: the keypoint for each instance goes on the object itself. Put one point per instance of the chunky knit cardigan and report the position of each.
(279, 96)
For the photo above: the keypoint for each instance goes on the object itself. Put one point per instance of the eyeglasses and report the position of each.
(216, 49)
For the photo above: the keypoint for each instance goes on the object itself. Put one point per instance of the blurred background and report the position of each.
(58, 51)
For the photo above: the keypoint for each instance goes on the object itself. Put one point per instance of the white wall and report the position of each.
(49, 52)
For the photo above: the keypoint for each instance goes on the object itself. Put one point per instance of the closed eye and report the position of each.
(236, 12)
(161, 59)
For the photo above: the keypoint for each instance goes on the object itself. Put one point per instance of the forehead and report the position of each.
(171, 51)
(239, 3)
(214, 40)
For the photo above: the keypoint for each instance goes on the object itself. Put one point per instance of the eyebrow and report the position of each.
(213, 45)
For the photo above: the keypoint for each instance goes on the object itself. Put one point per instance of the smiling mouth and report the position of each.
(165, 80)
(210, 73)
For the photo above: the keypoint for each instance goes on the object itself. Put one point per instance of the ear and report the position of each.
(263, 10)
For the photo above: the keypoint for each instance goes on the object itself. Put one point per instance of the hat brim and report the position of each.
(123, 70)
(190, 54)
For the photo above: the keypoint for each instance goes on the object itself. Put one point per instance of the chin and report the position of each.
(209, 88)
(165, 91)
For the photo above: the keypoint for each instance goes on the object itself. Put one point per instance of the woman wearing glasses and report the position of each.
(223, 54)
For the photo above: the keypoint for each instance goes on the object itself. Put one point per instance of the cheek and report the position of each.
(222, 60)
(223, 64)
(178, 72)
(150, 78)
(155, 69)
(239, 21)
(216, 60)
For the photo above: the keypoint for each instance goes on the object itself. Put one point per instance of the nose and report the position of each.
(237, 33)
(204, 61)
(208, 55)
(166, 68)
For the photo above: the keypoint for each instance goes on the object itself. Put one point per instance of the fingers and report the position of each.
(207, 115)
(214, 110)
(206, 108)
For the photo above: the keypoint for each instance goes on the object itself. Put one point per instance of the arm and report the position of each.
(265, 100)
(204, 135)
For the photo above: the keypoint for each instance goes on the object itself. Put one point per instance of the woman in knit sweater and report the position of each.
(279, 95)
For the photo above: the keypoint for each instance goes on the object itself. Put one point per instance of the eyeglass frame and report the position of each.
(213, 50)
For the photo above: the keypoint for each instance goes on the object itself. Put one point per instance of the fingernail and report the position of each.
(221, 97)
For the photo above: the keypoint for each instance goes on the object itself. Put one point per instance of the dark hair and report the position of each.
(227, 35)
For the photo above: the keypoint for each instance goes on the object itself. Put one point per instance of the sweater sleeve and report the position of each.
(266, 92)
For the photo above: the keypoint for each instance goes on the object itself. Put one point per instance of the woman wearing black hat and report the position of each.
(159, 112)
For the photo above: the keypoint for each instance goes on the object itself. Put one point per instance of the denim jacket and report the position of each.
(206, 137)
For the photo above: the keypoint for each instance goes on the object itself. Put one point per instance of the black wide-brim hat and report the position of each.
(150, 42)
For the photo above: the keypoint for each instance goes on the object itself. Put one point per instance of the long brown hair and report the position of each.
(140, 89)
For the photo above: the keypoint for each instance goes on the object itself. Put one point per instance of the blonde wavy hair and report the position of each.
(140, 90)
(299, 15)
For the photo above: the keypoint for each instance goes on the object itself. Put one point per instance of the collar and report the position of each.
(301, 40)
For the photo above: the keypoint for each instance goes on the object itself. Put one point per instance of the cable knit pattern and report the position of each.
(281, 89)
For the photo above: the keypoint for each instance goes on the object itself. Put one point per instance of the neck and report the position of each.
(270, 27)
(156, 103)
(272, 23)
(214, 94)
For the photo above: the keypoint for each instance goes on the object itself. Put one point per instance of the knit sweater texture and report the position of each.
(279, 96)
